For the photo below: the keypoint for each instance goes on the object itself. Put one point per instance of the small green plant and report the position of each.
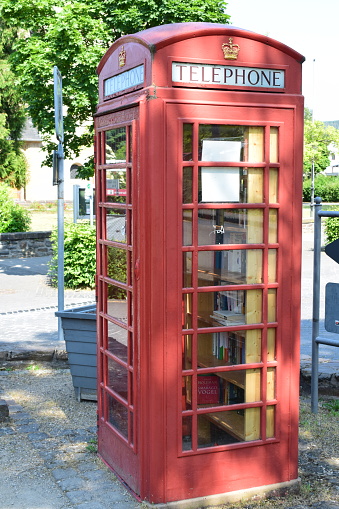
(79, 255)
(92, 445)
(332, 406)
(332, 228)
(13, 217)
(33, 367)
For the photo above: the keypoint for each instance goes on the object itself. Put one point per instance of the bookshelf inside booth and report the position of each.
(224, 300)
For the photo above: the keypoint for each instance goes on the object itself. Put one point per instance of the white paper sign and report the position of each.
(221, 150)
(220, 184)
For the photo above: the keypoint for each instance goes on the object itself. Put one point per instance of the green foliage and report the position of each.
(13, 167)
(13, 218)
(327, 187)
(74, 36)
(117, 270)
(317, 140)
(331, 228)
(79, 255)
(332, 406)
(80, 259)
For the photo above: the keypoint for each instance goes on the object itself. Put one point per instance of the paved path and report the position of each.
(28, 305)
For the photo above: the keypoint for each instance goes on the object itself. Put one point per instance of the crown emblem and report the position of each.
(230, 50)
(122, 57)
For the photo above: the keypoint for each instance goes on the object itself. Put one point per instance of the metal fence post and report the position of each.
(316, 305)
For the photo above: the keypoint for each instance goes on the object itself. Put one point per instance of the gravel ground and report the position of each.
(47, 396)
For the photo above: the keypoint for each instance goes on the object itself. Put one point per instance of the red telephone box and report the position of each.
(199, 134)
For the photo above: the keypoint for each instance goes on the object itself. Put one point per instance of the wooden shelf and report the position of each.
(235, 377)
(234, 425)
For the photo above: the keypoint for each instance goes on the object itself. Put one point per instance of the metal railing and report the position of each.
(316, 339)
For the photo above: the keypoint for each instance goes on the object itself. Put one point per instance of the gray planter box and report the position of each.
(79, 327)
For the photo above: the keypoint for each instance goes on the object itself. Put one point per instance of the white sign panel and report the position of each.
(208, 74)
(220, 184)
(125, 80)
(220, 150)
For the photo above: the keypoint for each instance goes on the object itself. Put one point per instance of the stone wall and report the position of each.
(25, 244)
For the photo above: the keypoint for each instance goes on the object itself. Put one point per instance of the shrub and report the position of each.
(80, 262)
(332, 228)
(117, 270)
(13, 218)
(325, 187)
(79, 255)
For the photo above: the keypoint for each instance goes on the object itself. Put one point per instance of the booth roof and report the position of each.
(160, 36)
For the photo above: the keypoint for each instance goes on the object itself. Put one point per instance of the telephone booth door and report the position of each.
(117, 306)
(238, 282)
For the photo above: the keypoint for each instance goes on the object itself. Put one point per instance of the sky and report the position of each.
(310, 27)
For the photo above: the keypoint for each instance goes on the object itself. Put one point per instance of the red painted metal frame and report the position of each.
(157, 469)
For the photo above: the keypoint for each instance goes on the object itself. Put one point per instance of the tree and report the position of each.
(13, 168)
(74, 36)
(317, 146)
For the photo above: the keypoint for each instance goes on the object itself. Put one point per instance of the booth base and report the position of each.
(271, 490)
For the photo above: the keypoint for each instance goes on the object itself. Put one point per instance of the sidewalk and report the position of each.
(27, 308)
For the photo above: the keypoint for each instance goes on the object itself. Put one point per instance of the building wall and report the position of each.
(40, 184)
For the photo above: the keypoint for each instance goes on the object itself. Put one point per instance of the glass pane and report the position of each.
(222, 428)
(129, 128)
(237, 266)
(273, 186)
(116, 145)
(272, 305)
(186, 393)
(118, 416)
(117, 378)
(230, 185)
(230, 226)
(270, 345)
(270, 416)
(117, 341)
(117, 264)
(116, 186)
(117, 303)
(273, 226)
(186, 433)
(270, 383)
(254, 185)
(228, 388)
(274, 145)
(187, 352)
(187, 142)
(229, 348)
(229, 308)
(187, 269)
(229, 143)
(272, 265)
(187, 184)
(187, 227)
(187, 311)
(116, 225)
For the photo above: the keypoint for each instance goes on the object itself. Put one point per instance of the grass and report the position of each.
(332, 406)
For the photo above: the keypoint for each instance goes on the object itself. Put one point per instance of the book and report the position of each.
(208, 390)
